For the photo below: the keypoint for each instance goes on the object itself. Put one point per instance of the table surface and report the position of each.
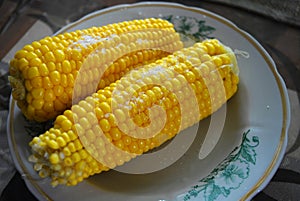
(280, 37)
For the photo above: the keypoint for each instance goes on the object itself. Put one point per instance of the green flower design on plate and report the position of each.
(233, 175)
(229, 174)
(190, 29)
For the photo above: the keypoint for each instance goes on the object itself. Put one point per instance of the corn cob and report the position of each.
(121, 121)
(43, 73)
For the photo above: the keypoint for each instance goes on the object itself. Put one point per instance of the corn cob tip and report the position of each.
(18, 89)
(231, 54)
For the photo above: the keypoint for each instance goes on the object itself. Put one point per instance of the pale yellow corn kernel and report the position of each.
(84, 123)
(86, 106)
(56, 167)
(44, 173)
(38, 166)
(120, 116)
(79, 129)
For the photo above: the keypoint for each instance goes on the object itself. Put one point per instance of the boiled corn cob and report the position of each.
(122, 120)
(43, 74)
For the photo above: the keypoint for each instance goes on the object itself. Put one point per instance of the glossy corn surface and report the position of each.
(44, 73)
(137, 113)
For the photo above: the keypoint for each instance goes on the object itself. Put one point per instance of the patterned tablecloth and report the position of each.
(278, 32)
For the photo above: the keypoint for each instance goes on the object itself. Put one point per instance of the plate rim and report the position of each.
(280, 149)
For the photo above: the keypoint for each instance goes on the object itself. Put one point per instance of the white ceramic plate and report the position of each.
(237, 168)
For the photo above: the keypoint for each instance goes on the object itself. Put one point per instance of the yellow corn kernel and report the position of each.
(59, 55)
(66, 151)
(68, 161)
(37, 82)
(60, 141)
(66, 66)
(75, 157)
(38, 103)
(66, 125)
(21, 54)
(38, 93)
(71, 147)
(54, 158)
(104, 124)
(33, 72)
(55, 77)
(49, 57)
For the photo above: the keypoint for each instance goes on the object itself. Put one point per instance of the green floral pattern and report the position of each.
(229, 174)
(190, 29)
